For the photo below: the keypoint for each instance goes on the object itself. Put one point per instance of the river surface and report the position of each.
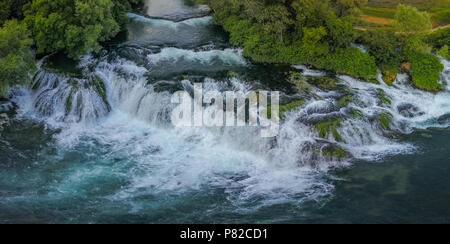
(92, 142)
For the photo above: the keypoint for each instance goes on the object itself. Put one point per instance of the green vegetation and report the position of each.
(317, 33)
(344, 101)
(16, 58)
(389, 75)
(439, 38)
(382, 96)
(335, 152)
(425, 70)
(420, 4)
(325, 83)
(11, 9)
(412, 25)
(357, 114)
(441, 15)
(300, 84)
(443, 52)
(324, 129)
(290, 107)
(285, 108)
(73, 27)
(385, 120)
(386, 13)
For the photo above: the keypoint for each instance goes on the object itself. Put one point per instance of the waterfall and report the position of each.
(120, 108)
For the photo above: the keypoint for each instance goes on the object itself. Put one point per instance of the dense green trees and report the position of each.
(412, 26)
(74, 27)
(16, 58)
(296, 31)
(11, 9)
(320, 33)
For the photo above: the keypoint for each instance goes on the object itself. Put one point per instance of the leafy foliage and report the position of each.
(425, 71)
(16, 59)
(413, 24)
(10, 9)
(296, 31)
(74, 26)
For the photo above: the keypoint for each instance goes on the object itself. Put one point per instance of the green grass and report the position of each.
(379, 12)
(420, 4)
(441, 15)
(439, 9)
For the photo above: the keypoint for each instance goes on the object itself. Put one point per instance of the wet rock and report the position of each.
(323, 150)
(4, 121)
(406, 67)
(444, 119)
(7, 107)
(409, 110)
(318, 118)
(322, 107)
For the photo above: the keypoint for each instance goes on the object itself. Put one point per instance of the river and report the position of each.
(92, 142)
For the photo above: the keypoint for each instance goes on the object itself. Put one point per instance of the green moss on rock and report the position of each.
(325, 83)
(385, 120)
(285, 108)
(357, 114)
(300, 84)
(382, 96)
(345, 100)
(389, 75)
(325, 128)
(335, 152)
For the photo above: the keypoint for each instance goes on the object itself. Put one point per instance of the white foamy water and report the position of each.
(194, 22)
(423, 108)
(174, 9)
(310, 72)
(227, 56)
(162, 160)
(64, 99)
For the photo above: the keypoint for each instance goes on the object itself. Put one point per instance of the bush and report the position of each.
(16, 59)
(439, 38)
(443, 52)
(351, 61)
(425, 70)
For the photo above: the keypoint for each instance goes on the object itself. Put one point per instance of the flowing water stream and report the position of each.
(92, 141)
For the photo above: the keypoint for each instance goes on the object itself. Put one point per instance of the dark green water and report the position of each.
(114, 158)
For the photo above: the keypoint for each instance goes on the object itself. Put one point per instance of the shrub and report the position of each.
(351, 61)
(425, 70)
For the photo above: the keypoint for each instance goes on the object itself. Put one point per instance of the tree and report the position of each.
(72, 26)
(410, 20)
(312, 43)
(340, 32)
(412, 24)
(347, 7)
(383, 44)
(16, 58)
(10, 9)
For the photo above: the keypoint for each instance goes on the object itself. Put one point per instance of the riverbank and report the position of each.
(326, 42)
